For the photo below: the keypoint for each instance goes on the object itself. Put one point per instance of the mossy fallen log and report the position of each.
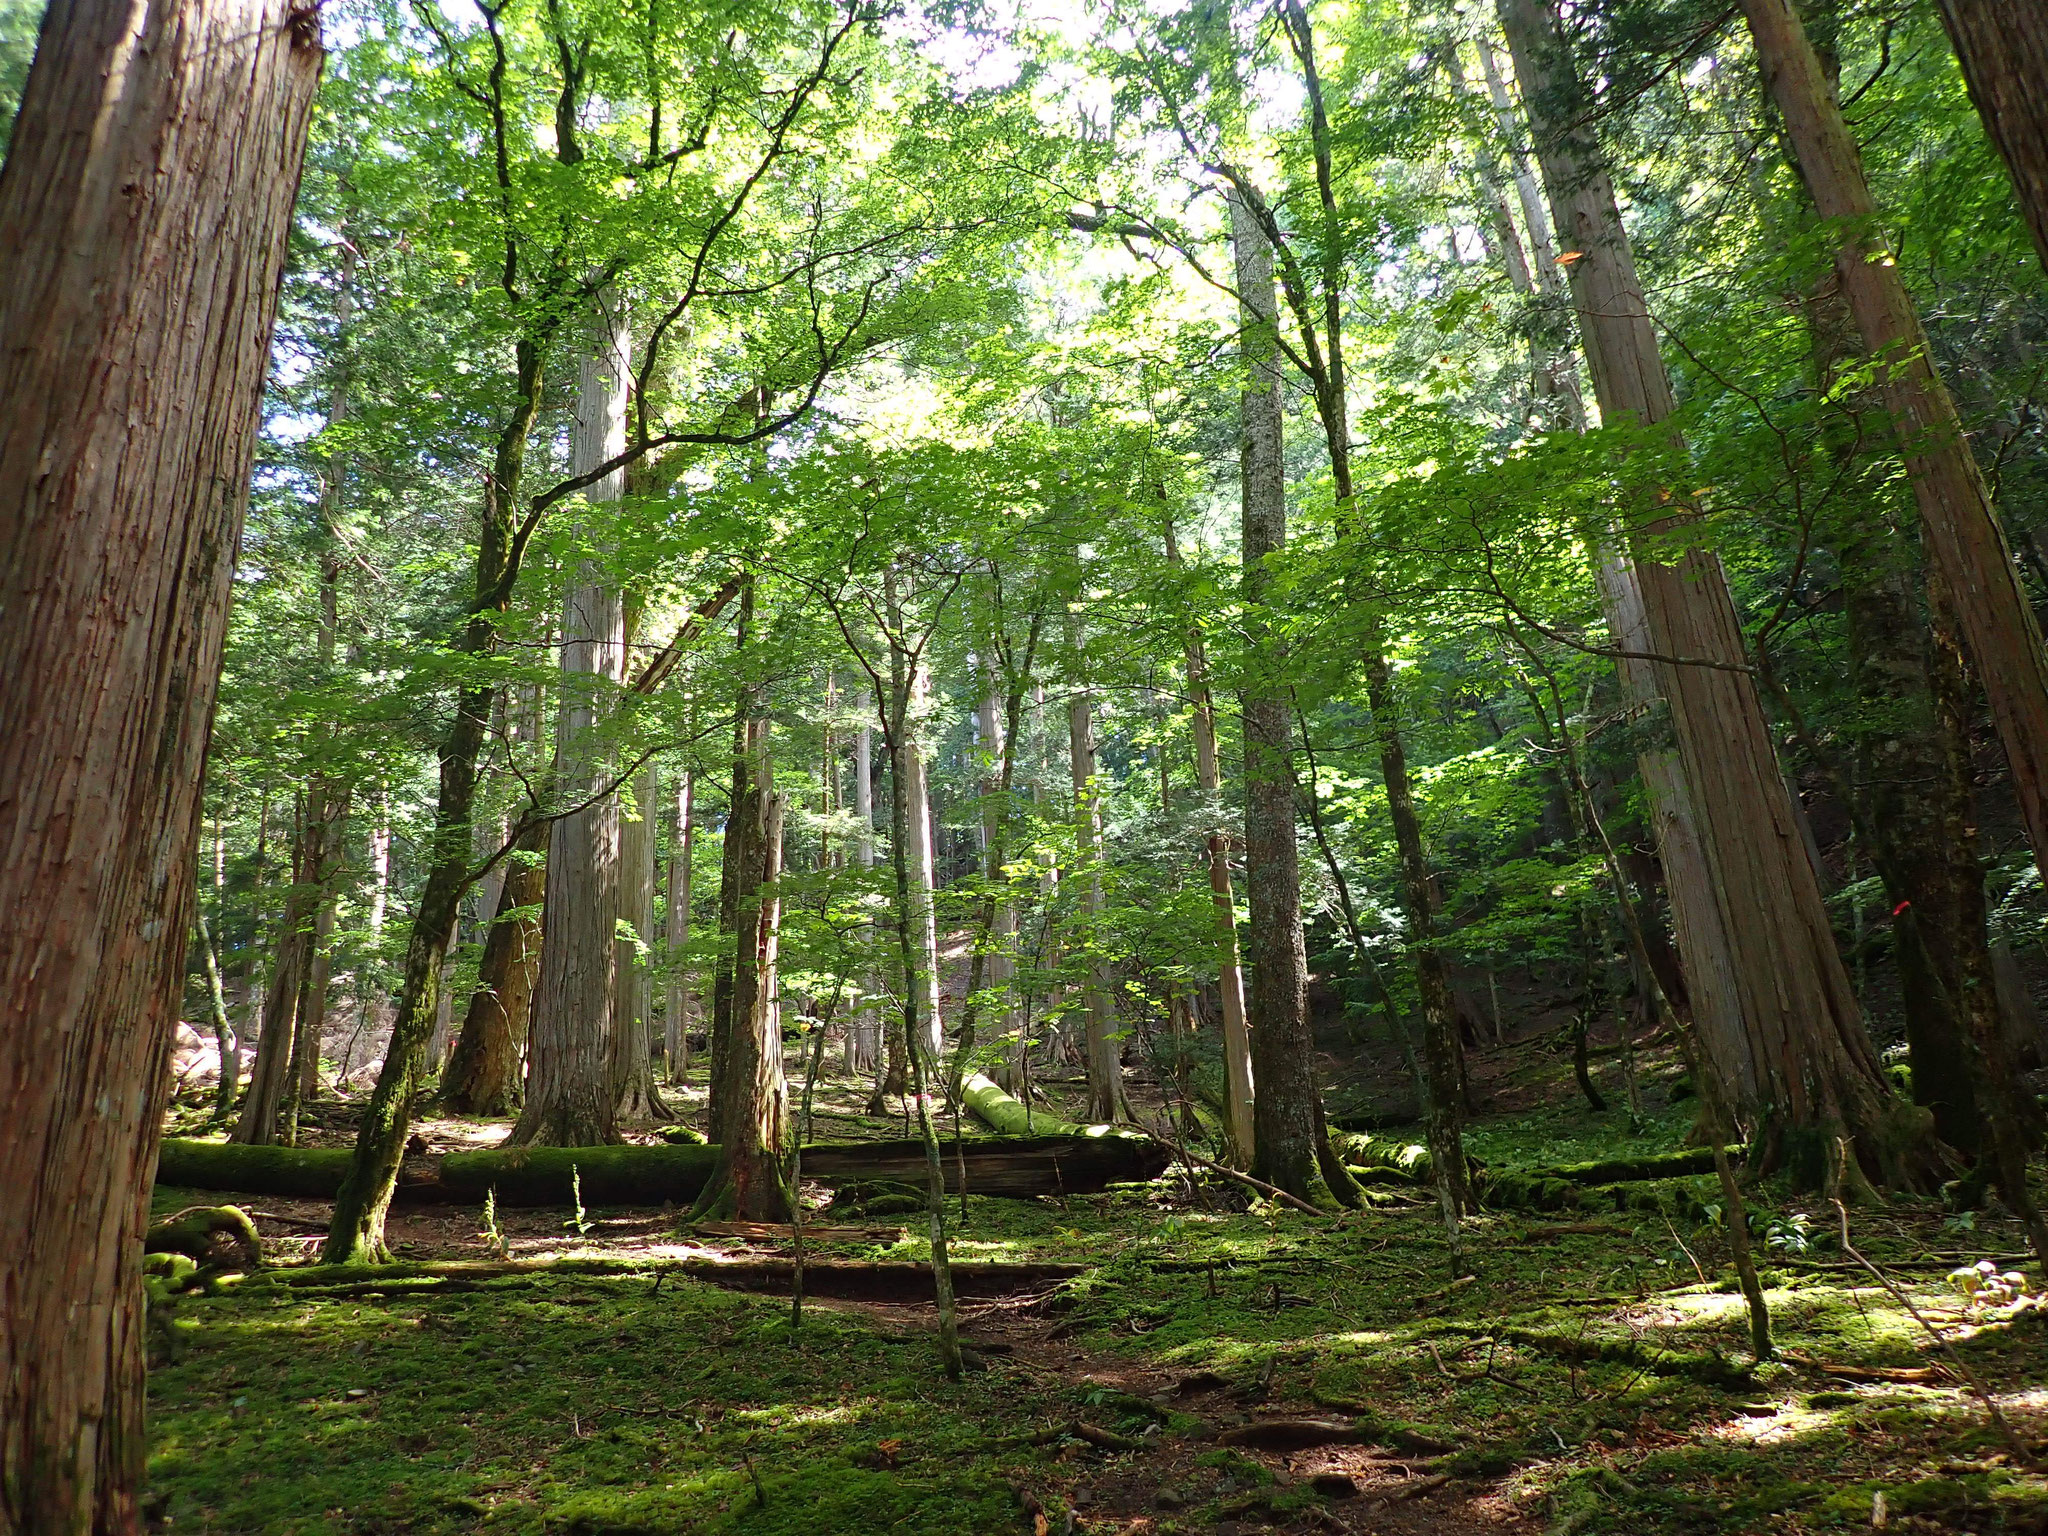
(624, 1175)
(309, 1173)
(1710, 1369)
(1602, 1184)
(1008, 1115)
(1628, 1170)
(210, 1234)
(655, 1175)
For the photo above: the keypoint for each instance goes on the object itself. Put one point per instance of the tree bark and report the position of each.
(570, 1097)
(1282, 1049)
(2003, 48)
(863, 1038)
(1816, 1077)
(676, 999)
(482, 1076)
(633, 982)
(144, 209)
(1102, 1052)
(748, 1084)
(270, 1071)
(1238, 1096)
(1962, 530)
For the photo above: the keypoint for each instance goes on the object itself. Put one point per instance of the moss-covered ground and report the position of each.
(1594, 1378)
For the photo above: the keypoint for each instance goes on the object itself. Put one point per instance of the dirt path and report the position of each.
(1245, 1452)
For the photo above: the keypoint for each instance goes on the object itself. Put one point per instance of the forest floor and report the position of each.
(1214, 1369)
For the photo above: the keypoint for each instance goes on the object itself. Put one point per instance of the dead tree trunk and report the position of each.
(150, 179)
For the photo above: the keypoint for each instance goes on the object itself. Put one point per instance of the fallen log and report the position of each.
(1596, 1185)
(1010, 1116)
(877, 1281)
(1019, 1167)
(216, 1234)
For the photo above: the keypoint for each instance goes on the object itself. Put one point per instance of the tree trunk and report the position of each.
(570, 1094)
(633, 982)
(748, 1084)
(230, 1081)
(1709, 989)
(150, 181)
(2003, 48)
(1816, 1077)
(676, 1000)
(270, 1072)
(1237, 1051)
(1962, 530)
(482, 1076)
(1282, 1049)
(356, 1234)
(863, 1039)
(1102, 1051)
(913, 836)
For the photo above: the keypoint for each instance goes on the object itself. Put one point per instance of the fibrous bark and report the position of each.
(750, 1096)
(570, 1097)
(2003, 48)
(1807, 1072)
(482, 1075)
(144, 208)
(676, 1000)
(1964, 538)
(1282, 1050)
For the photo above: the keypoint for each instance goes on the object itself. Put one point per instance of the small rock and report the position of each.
(1334, 1485)
(358, 1391)
(1170, 1498)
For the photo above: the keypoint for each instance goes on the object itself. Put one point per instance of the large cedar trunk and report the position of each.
(1965, 542)
(151, 179)
(1708, 987)
(1807, 1075)
(748, 1082)
(2003, 48)
(482, 1076)
(570, 1094)
(1282, 1050)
